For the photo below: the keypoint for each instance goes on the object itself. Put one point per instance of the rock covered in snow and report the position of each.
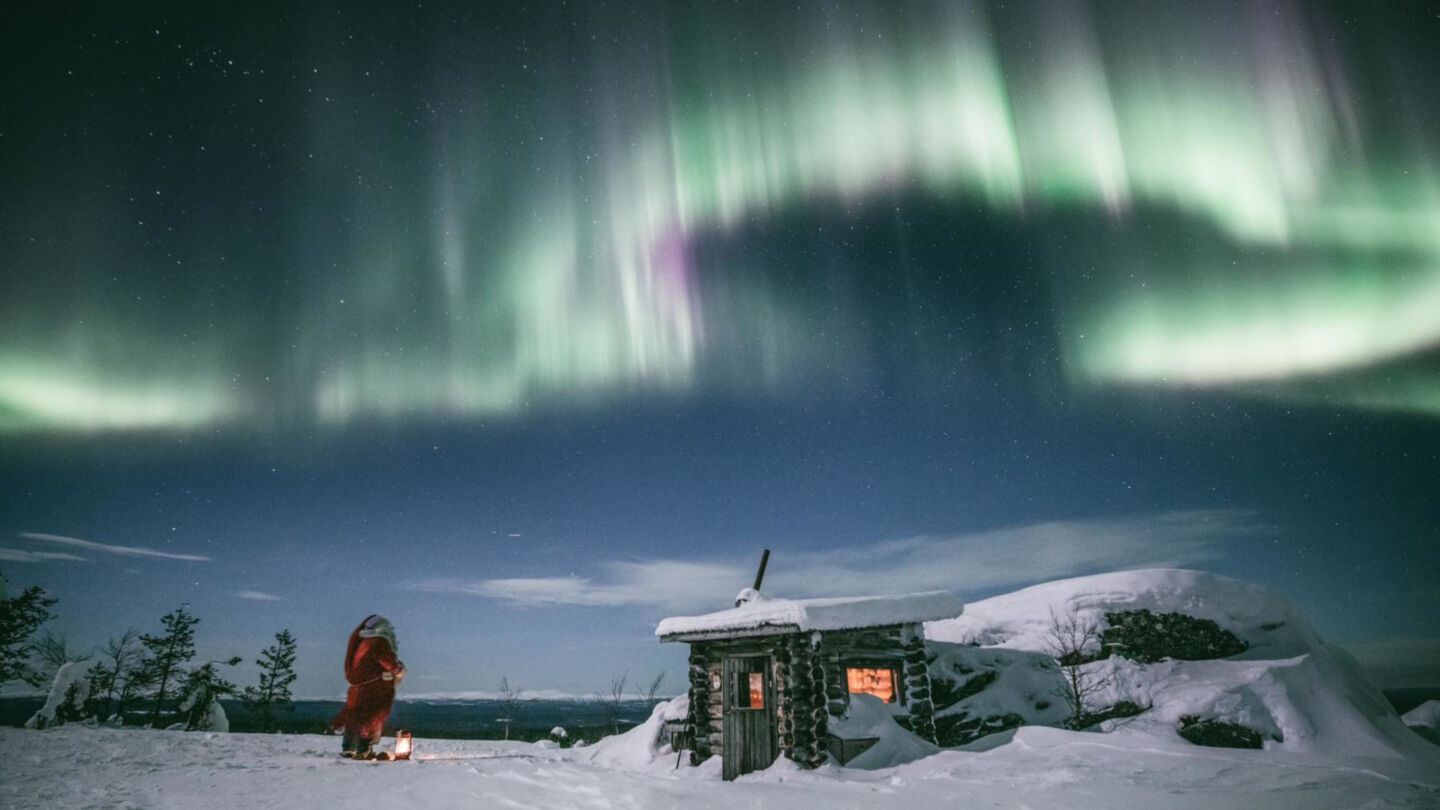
(1297, 692)
(1264, 619)
(1425, 720)
(1427, 714)
(983, 690)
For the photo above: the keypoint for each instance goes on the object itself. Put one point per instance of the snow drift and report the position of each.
(1425, 720)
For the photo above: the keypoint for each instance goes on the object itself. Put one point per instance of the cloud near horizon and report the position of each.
(966, 563)
(21, 556)
(259, 596)
(125, 551)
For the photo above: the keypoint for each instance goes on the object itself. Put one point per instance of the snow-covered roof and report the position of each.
(764, 614)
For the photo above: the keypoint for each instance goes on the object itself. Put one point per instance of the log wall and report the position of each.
(809, 678)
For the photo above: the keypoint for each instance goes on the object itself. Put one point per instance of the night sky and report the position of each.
(528, 326)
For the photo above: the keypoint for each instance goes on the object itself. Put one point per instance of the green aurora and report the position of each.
(440, 277)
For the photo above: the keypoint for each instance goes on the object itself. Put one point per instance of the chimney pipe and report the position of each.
(760, 575)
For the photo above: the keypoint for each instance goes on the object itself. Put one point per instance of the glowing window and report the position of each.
(877, 681)
(749, 690)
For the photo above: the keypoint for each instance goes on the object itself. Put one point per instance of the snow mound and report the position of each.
(869, 716)
(1261, 617)
(1300, 694)
(1425, 720)
(639, 748)
(1426, 715)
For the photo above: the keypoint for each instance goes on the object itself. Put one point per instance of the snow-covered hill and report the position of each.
(1301, 694)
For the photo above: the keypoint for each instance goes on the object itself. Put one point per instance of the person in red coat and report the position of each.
(372, 671)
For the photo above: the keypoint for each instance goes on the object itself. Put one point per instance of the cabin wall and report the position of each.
(809, 678)
(903, 645)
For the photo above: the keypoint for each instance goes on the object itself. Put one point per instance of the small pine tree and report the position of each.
(19, 619)
(135, 685)
(204, 686)
(277, 672)
(166, 657)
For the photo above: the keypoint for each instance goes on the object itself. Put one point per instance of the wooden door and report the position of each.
(749, 730)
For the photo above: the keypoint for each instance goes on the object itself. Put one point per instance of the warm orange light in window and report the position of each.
(757, 690)
(879, 682)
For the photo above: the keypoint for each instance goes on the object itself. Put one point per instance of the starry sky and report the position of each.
(527, 325)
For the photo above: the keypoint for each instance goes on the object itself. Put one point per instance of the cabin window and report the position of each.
(749, 690)
(872, 680)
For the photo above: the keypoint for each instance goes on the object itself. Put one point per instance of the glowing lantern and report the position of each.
(402, 745)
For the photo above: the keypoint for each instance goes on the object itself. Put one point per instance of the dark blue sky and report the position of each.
(529, 327)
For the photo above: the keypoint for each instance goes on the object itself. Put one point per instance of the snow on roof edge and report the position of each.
(841, 613)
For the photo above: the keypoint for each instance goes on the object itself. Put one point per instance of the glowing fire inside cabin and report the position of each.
(757, 690)
(877, 681)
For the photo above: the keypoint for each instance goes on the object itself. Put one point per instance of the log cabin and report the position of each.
(771, 677)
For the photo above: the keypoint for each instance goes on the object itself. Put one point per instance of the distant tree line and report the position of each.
(138, 672)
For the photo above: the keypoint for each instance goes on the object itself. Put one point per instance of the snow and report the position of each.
(1338, 746)
(1025, 683)
(636, 749)
(1303, 695)
(1425, 720)
(869, 716)
(71, 674)
(817, 614)
(80, 767)
(1426, 715)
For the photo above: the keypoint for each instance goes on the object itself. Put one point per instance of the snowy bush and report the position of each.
(1140, 635)
(66, 702)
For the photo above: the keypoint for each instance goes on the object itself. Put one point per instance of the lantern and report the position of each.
(402, 745)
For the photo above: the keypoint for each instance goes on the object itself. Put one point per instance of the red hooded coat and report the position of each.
(372, 670)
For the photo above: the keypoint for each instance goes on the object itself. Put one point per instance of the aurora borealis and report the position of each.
(281, 239)
(452, 269)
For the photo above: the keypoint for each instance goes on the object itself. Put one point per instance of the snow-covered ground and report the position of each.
(78, 767)
(1331, 741)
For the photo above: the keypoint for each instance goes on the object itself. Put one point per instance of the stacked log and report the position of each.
(698, 719)
(917, 683)
(805, 688)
